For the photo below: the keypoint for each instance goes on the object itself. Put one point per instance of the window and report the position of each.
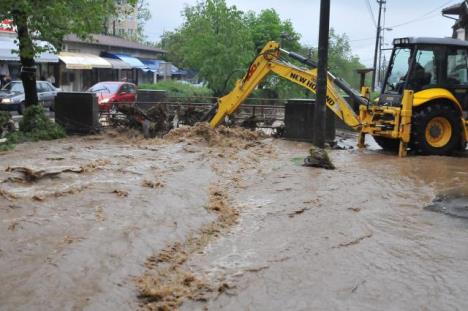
(42, 87)
(132, 89)
(124, 88)
(457, 67)
(425, 71)
(399, 69)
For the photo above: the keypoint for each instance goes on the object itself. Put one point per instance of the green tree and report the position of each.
(268, 26)
(342, 62)
(50, 20)
(214, 40)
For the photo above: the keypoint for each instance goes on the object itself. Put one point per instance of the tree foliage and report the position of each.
(268, 26)
(51, 20)
(342, 62)
(214, 40)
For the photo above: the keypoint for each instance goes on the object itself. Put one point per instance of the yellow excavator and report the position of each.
(423, 104)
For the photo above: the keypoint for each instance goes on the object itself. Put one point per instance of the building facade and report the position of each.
(458, 12)
(125, 22)
(105, 58)
(82, 63)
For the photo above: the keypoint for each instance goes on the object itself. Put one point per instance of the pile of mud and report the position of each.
(221, 136)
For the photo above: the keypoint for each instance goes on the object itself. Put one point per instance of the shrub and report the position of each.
(179, 89)
(34, 126)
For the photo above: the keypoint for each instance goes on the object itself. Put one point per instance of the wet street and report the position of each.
(114, 220)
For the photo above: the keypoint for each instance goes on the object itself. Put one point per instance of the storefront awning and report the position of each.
(8, 46)
(133, 62)
(83, 61)
(158, 66)
(117, 63)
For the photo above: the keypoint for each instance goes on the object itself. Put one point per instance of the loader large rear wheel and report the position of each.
(388, 144)
(435, 130)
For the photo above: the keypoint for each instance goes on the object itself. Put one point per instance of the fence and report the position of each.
(256, 112)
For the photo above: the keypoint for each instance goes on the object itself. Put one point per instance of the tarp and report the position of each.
(83, 61)
(117, 63)
(155, 66)
(8, 46)
(130, 60)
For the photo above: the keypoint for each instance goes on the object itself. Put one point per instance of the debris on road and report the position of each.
(152, 184)
(168, 282)
(31, 174)
(121, 193)
(222, 136)
(319, 158)
(298, 212)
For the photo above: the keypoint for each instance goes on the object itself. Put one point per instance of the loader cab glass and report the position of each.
(398, 68)
(414, 69)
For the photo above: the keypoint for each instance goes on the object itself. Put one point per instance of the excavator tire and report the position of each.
(435, 130)
(388, 144)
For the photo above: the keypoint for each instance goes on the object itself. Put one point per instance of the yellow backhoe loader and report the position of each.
(423, 104)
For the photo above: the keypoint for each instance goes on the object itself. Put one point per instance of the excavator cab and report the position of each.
(424, 98)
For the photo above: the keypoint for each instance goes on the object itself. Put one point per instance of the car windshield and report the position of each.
(105, 87)
(15, 87)
(399, 69)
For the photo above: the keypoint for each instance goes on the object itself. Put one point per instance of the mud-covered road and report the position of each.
(228, 222)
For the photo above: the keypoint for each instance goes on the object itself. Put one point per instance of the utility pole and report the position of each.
(377, 42)
(322, 75)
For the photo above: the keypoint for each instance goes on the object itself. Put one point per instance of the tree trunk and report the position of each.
(26, 53)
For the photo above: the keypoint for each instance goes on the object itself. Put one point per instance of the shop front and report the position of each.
(10, 66)
(79, 71)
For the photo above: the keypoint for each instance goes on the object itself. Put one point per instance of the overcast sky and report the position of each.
(353, 17)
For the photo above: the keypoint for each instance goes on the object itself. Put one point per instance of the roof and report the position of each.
(105, 40)
(438, 41)
(456, 9)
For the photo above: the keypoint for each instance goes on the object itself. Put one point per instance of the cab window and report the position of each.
(425, 70)
(457, 67)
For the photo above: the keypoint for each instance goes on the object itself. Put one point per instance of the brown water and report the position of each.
(357, 238)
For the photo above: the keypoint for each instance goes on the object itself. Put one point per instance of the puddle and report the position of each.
(455, 205)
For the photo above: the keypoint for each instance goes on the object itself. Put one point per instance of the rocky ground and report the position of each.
(228, 220)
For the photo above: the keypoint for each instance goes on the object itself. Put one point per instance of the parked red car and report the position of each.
(112, 93)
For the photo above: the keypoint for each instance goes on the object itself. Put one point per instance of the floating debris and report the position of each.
(319, 158)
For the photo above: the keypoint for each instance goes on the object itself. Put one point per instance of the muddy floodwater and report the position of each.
(114, 222)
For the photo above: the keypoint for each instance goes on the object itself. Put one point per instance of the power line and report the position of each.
(362, 39)
(371, 13)
(426, 15)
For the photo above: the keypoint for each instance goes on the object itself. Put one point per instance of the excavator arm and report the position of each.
(268, 62)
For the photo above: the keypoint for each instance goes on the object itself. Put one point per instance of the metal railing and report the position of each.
(255, 112)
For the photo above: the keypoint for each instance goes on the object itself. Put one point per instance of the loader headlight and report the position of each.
(7, 101)
(105, 100)
(400, 41)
